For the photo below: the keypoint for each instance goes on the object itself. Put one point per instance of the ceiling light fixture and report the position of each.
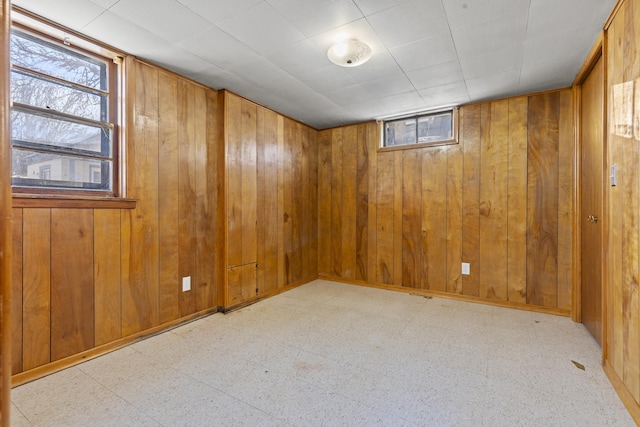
(349, 53)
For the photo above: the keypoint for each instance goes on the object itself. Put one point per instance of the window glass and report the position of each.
(428, 128)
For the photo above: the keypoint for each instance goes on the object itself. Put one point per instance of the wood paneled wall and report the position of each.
(84, 277)
(622, 310)
(272, 213)
(5, 221)
(501, 200)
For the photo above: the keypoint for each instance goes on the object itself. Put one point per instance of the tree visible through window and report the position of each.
(436, 127)
(62, 117)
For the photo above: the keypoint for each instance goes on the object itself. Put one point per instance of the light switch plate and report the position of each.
(186, 284)
(614, 175)
(466, 268)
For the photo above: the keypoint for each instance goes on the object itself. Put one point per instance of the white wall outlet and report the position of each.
(466, 268)
(186, 284)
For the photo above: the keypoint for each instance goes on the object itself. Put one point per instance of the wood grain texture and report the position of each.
(493, 200)
(385, 221)
(140, 290)
(336, 202)
(517, 200)
(398, 218)
(287, 209)
(72, 291)
(349, 194)
(433, 274)
(282, 268)
(471, 135)
(233, 127)
(16, 291)
(455, 163)
(187, 195)
(36, 291)
(6, 237)
(294, 140)
(362, 204)
(411, 218)
(324, 202)
(261, 200)
(313, 202)
(249, 182)
(373, 142)
(304, 203)
(270, 191)
(106, 275)
(542, 210)
(566, 182)
(169, 203)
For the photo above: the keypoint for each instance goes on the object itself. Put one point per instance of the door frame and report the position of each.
(598, 52)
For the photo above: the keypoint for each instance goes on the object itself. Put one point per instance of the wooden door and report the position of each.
(592, 150)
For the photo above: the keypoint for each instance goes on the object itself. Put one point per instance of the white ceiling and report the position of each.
(426, 53)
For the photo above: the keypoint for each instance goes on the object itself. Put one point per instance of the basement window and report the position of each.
(424, 129)
(63, 115)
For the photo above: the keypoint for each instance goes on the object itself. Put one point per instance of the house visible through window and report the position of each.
(63, 115)
(432, 128)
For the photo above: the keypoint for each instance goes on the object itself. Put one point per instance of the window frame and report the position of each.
(454, 130)
(50, 32)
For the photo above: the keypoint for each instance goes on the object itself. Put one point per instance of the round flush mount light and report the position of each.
(349, 53)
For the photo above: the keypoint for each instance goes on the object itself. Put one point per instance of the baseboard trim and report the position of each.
(269, 294)
(626, 397)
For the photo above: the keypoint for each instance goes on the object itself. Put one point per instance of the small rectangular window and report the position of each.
(431, 128)
(63, 115)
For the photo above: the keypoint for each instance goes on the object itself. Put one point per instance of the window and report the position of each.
(432, 128)
(63, 116)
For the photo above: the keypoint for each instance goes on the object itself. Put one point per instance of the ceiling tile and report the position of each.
(218, 48)
(262, 29)
(359, 29)
(380, 65)
(104, 3)
(216, 11)
(441, 96)
(326, 17)
(552, 16)
(165, 18)
(58, 11)
(348, 95)
(294, 8)
(402, 103)
(369, 7)
(258, 71)
(328, 78)
(495, 86)
(410, 21)
(493, 62)
(438, 75)
(500, 34)
(389, 85)
(178, 60)
(465, 13)
(123, 34)
(302, 57)
(425, 53)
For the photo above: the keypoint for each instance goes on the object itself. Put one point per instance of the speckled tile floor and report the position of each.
(330, 354)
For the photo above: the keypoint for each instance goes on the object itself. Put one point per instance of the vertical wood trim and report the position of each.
(362, 205)
(336, 202)
(233, 161)
(324, 203)
(36, 308)
(282, 270)
(349, 200)
(5, 223)
(313, 202)
(373, 142)
(271, 218)
(262, 190)
(304, 204)
(106, 270)
(288, 189)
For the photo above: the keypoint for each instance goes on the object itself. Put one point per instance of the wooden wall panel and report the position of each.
(168, 204)
(313, 202)
(36, 291)
(16, 292)
(72, 292)
(270, 193)
(106, 275)
(542, 215)
(262, 197)
(304, 200)
(294, 141)
(471, 137)
(517, 199)
(493, 201)
(233, 108)
(140, 291)
(348, 203)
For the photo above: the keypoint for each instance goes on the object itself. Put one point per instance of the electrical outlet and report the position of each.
(466, 268)
(186, 284)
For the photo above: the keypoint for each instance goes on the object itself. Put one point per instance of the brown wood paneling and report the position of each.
(249, 183)
(434, 219)
(282, 215)
(324, 202)
(106, 275)
(373, 142)
(411, 218)
(304, 202)
(270, 191)
(517, 201)
(187, 194)
(313, 203)
(454, 200)
(233, 108)
(566, 182)
(384, 220)
(542, 203)
(471, 138)
(72, 291)
(336, 202)
(349, 194)
(294, 141)
(168, 204)
(398, 220)
(362, 204)
(16, 292)
(261, 200)
(287, 207)
(36, 291)
(493, 200)
(140, 273)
